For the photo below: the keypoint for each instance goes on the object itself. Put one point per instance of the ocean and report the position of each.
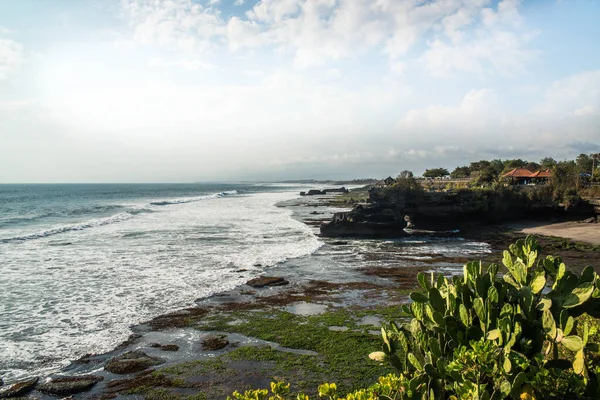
(80, 264)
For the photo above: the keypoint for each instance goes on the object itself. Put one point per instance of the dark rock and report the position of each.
(18, 388)
(61, 386)
(314, 192)
(339, 243)
(263, 281)
(1, 382)
(133, 361)
(164, 347)
(316, 213)
(214, 342)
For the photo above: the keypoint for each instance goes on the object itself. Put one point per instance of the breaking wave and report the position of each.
(120, 217)
(80, 226)
(193, 199)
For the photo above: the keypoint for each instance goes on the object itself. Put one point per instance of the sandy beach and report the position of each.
(574, 230)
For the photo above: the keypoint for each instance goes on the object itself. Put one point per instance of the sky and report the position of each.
(207, 90)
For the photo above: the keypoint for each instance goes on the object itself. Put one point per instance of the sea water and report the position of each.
(79, 264)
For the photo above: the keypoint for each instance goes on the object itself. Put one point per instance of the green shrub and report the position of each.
(478, 336)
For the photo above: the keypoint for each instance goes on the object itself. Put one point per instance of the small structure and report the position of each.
(389, 181)
(522, 176)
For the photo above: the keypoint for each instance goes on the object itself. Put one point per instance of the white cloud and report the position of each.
(477, 109)
(11, 56)
(182, 24)
(315, 32)
(578, 95)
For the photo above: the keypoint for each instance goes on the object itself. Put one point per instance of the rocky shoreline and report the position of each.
(241, 339)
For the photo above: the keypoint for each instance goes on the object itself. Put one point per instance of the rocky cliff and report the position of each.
(390, 210)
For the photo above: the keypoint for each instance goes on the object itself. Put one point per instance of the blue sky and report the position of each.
(182, 90)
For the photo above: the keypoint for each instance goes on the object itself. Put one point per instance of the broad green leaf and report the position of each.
(511, 281)
(464, 315)
(549, 324)
(573, 343)
(492, 295)
(479, 309)
(544, 304)
(579, 295)
(415, 363)
(507, 365)
(437, 301)
(493, 334)
(538, 282)
(569, 325)
(587, 275)
(419, 297)
(579, 363)
(423, 280)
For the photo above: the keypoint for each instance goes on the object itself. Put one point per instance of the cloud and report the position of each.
(576, 95)
(11, 56)
(181, 24)
(477, 109)
(585, 147)
(315, 32)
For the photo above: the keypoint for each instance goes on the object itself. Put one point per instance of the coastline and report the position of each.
(335, 312)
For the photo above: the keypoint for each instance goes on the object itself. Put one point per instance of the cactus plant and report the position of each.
(514, 320)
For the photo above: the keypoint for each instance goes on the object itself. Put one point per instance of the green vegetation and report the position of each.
(436, 173)
(529, 335)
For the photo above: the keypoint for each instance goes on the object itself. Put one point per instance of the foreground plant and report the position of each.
(479, 336)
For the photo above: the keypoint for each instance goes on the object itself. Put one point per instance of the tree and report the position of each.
(497, 166)
(532, 166)
(512, 164)
(584, 164)
(547, 163)
(461, 172)
(436, 173)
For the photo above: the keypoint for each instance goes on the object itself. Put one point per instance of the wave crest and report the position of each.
(80, 226)
(193, 199)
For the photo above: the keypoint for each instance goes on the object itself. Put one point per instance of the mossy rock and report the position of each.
(133, 361)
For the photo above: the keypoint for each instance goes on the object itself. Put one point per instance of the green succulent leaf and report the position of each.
(464, 315)
(587, 275)
(579, 295)
(511, 281)
(538, 282)
(419, 297)
(579, 363)
(493, 334)
(548, 324)
(573, 343)
(544, 304)
(507, 365)
(479, 307)
(437, 301)
(415, 363)
(422, 278)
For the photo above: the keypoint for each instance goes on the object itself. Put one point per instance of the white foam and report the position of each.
(60, 302)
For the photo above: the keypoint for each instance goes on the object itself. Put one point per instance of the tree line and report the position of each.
(486, 171)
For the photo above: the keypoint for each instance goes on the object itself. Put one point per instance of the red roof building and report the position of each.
(524, 176)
